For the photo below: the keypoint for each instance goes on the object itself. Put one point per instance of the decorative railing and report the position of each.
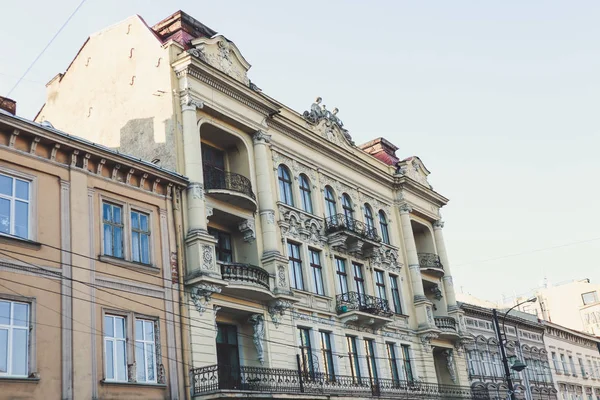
(244, 273)
(430, 260)
(278, 380)
(216, 178)
(353, 301)
(341, 222)
(447, 324)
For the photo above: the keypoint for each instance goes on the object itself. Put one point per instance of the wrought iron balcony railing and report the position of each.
(430, 260)
(353, 301)
(244, 273)
(341, 222)
(216, 178)
(447, 324)
(289, 381)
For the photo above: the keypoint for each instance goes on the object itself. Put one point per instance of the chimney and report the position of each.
(382, 149)
(8, 105)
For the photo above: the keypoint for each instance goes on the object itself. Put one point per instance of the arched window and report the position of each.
(383, 226)
(285, 185)
(330, 206)
(305, 194)
(348, 210)
(369, 218)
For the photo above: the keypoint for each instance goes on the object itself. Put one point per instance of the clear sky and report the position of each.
(499, 99)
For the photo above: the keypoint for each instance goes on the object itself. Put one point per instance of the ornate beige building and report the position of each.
(314, 266)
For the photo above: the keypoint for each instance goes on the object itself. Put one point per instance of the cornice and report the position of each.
(405, 183)
(472, 310)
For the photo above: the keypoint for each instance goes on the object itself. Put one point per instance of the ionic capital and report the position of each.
(405, 208)
(261, 138)
(439, 224)
(189, 103)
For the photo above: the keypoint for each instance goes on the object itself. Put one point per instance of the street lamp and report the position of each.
(517, 365)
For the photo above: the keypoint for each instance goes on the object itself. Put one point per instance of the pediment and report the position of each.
(223, 55)
(414, 169)
(327, 124)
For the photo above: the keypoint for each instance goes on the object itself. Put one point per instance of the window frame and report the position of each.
(285, 185)
(317, 271)
(371, 358)
(304, 187)
(393, 361)
(396, 297)
(369, 220)
(342, 276)
(105, 339)
(408, 367)
(145, 342)
(330, 202)
(594, 293)
(295, 265)
(327, 353)
(380, 285)
(306, 354)
(348, 209)
(148, 214)
(220, 250)
(31, 202)
(384, 227)
(359, 279)
(353, 357)
(30, 329)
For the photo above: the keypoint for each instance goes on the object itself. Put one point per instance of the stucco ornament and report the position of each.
(426, 340)
(197, 190)
(326, 121)
(261, 137)
(248, 229)
(281, 275)
(414, 169)
(386, 258)
(430, 316)
(208, 258)
(277, 309)
(450, 364)
(189, 101)
(258, 323)
(201, 295)
(301, 226)
(223, 55)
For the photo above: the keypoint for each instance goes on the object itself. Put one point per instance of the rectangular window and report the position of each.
(14, 338)
(306, 352)
(359, 280)
(589, 297)
(353, 358)
(555, 362)
(395, 294)
(112, 225)
(408, 372)
(563, 363)
(391, 352)
(14, 206)
(380, 285)
(223, 249)
(115, 352)
(145, 350)
(581, 368)
(295, 263)
(342, 276)
(327, 355)
(140, 237)
(370, 356)
(317, 271)
(590, 369)
(572, 365)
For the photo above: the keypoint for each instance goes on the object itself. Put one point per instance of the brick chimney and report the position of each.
(382, 149)
(8, 105)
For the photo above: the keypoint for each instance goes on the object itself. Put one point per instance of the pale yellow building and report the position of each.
(89, 282)
(314, 266)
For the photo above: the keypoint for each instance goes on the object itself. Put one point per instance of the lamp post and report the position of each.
(501, 339)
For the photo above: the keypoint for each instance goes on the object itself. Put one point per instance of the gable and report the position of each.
(223, 55)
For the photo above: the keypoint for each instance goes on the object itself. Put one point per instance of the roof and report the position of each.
(181, 28)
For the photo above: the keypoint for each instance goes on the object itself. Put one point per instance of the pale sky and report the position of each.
(499, 100)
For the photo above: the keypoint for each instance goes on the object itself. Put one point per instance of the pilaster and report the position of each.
(447, 279)
(66, 291)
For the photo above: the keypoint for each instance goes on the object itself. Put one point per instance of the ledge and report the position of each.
(134, 384)
(17, 241)
(129, 264)
(18, 379)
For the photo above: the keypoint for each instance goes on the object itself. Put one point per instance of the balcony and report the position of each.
(246, 279)
(430, 262)
(352, 235)
(448, 327)
(363, 309)
(259, 382)
(229, 187)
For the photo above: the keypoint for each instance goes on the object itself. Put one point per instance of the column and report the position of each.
(265, 192)
(447, 279)
(411, 253)
(193, 165)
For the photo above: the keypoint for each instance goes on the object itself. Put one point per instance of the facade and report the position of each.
(88, 270)
(313, 266)
(525, 341)
(575, 362)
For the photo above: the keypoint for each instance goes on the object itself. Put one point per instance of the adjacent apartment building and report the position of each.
(314, 266)
(89, 290)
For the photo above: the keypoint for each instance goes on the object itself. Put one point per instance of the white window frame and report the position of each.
(145, 342)
(32, 210)
(28, 328)
(115, 341)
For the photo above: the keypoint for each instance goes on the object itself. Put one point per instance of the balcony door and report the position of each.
(359, 282)
(213, 165)
(228, 357)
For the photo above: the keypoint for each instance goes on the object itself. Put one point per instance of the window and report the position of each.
(486, 363)
(496, 368)
(330, 203)
(348, 210)
(340, 266)
(590, 297)
(581, 367)
(353, 358)
(383, 227)
(14, 206)
(285, 185)
(305, 194)
(327, 355)
(14, 338)
(391, 352)
(359, 281)
(380, 285)
(223, 247)
(115, 352)
(112, 223)
(369, 218)
(306, 352)
(140, 237)
(370, 356)
(563, 362)
(572, 365)
(595, 370)
(472, 358)
(555, 362)
(408, 372)
(315, 266)
(590, 369)
(145, 350)
(295, 266)
(395, 294)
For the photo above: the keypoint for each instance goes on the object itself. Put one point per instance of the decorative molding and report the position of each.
(189, 102)
(201, 295)
(258, 323)
(386, 258)
(197, 190)
(339, 187)
(439, 224)
(74, 155)
(301, 226)
(130, 286)
(269, 216)
(295, 166)
(327, 122)
(208, 258)
(260, 137)
(449, 354)
(219, 53)
(312, 318)
(405, 208)
(281, 276)
(248, 229)
(426, 339)
(277, 309)
(100, 166)
(115, 170)
(129, 175)
(54, 151)
(34, 144)
(414, 169)
(13, 138)
(30, 269)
